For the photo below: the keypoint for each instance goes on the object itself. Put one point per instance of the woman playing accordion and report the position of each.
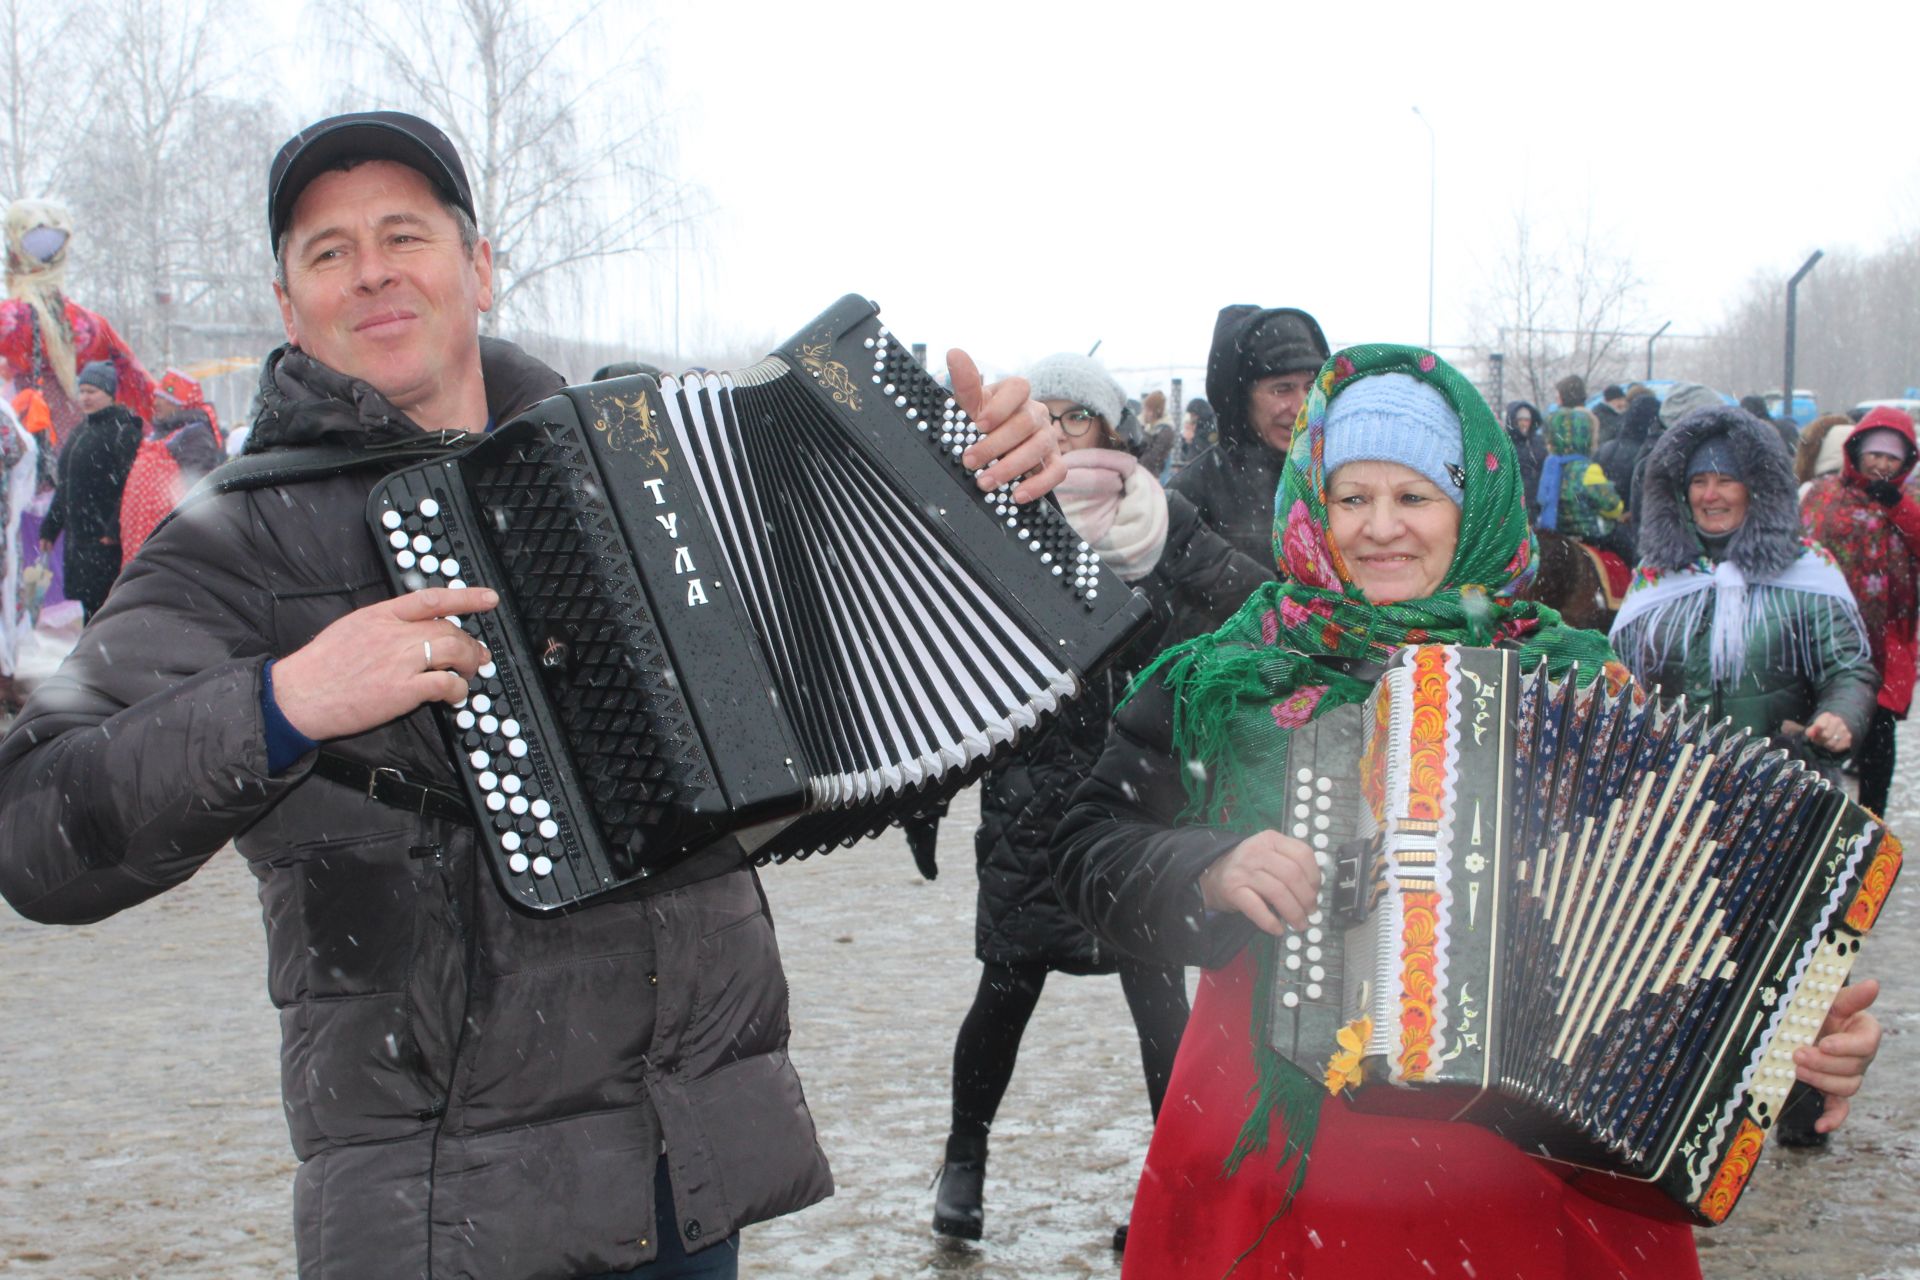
(1400, 520)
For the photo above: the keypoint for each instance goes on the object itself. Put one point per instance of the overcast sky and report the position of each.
(1024, 178)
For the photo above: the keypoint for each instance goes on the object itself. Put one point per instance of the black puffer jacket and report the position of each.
(1121, 862)
(1620, 453)
(472, 1091)
(1199, 581)
(1232, 484)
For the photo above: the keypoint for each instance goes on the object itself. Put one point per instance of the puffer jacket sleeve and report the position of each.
(145, 753)
(1844, 678)
(1201, 578)
(1121, 862)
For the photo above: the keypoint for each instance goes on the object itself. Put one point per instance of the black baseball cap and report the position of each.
(362, 135)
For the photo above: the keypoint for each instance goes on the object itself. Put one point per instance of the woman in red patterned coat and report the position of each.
(1868, 519)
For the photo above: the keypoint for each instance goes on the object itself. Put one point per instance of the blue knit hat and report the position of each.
(1395, 417)
(1716, 454)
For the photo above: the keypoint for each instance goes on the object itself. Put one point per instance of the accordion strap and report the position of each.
(394, 789)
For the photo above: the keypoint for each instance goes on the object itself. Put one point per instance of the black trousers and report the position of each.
(1876, 762)
(989, 1040)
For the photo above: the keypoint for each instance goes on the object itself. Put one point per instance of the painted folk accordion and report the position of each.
(769, 604)
(1586, 919)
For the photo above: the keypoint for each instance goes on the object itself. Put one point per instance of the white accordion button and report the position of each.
(517, 805)
(429, 508)
(457, 584)
(1301, 812)
(510, 727)
(1318, 917)
(1313, 953)
(1316, 974)
(495, 802)
(1326, 784)
(464, 719)
(1293, 942)
(510, 841)
(543, 866)
(450, 567)
(1290, 999)
(549, 829)
(1313, 991)
(391, 519)
(479, 759)
(397, 540)
(518, 864)
(1305, 775)
(1314, 935)
(1293, 963)
(489, 725)
(541, 808)
(405, 560)
(511, 784)
(422, 543)
(488, 671)
(517, 748)
(489, 780)
(429, 564)
(481, 702)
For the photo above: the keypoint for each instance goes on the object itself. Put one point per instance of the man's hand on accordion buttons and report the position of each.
(1269, 878)
(378, 663)
(1837, 1060)
(1016, 439)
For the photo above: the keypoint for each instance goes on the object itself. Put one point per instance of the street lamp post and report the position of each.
(1793, 287)
(1433, 164)
(1650, 341)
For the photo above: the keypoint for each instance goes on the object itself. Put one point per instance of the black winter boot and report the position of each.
(956, 1205)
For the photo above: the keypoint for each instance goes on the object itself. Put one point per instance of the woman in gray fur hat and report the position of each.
(1731, 608)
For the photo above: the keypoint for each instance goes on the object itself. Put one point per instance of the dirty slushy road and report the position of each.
(141, 1132)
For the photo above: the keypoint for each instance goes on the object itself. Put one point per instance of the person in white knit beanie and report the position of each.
(1157, 543)
(1112, 501)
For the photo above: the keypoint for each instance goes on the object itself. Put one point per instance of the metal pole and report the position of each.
(1793, 287)
(1650, 341)
(1433, 169)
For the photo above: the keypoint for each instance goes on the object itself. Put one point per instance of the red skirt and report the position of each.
(1384, 1196)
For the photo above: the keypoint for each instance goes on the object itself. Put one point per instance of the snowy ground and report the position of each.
(140, 1128)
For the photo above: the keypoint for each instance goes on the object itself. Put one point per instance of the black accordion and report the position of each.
(770, 604)
(1591, 921)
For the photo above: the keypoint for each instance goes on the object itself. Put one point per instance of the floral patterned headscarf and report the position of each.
(1239, 692)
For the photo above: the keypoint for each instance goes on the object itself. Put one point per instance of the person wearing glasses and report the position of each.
(1156, 542)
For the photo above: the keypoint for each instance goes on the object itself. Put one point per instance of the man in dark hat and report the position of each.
(1258, 373)
(470, 1091)
(89, 482)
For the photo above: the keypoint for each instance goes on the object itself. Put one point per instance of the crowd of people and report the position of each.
(250, 682)
(95, 452)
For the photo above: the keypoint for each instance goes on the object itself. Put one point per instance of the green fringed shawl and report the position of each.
(1240, 691)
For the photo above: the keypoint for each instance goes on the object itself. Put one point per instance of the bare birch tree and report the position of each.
(570, 164)
(42, 58)
(169, 186)
(1566, 306)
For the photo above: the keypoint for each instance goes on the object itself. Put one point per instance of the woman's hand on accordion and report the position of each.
(378, 663)
(1269, 878)
(1837, 1060)
(1016, 441)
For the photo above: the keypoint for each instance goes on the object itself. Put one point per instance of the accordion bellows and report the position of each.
(1593, 922)
(771, 605)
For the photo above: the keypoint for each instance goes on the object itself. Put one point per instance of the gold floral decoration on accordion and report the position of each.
(832, 374)
(629, 427)
(1343, 1069)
